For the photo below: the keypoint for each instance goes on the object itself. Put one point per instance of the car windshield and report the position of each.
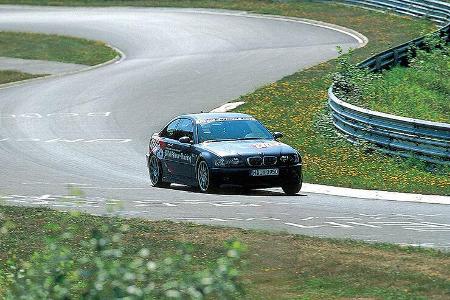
(232, 129)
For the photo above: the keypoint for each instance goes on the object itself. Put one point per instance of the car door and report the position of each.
(167, 147)
(185, 158)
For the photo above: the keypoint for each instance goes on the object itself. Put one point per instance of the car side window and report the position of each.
(170, 131)
(185, 128)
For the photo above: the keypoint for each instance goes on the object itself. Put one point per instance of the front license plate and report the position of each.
(264, 172)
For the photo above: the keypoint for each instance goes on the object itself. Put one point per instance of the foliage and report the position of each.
(420, 91)
(350, 81)
(105, 273)
(277, 265)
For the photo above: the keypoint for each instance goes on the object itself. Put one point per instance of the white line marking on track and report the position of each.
(437, 224)
(429, 229)
(31, 115)
(334, 224)
(109, 140)
(63, 140)
(362, 224)
(392, 223)
(303, 226)
(114, 188)
(58, 114)
(372, 216)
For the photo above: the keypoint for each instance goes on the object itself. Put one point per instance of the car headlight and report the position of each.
(295, 158)
(228, 162)
(290, 158)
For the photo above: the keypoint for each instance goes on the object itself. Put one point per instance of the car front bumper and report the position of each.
(241, 176)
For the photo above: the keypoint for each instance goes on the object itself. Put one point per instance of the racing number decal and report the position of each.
(157, 147)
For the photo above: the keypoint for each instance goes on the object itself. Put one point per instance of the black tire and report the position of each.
(203, 176)
(155, 172)
(292, 188)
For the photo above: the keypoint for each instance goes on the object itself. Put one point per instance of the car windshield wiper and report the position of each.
(215, 141)
(238, 139)
(252, 138)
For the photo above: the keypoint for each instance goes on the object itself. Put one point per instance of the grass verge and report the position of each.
(54, 48)
(297, 103)
(277, 266)
(10, 76)
(421, 91)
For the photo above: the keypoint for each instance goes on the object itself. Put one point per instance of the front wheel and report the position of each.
(155, 172)
(292, 188)
(204, 178)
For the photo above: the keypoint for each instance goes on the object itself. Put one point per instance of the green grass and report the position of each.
(54, 48)
(296, 104)
(7, 76)
(421, 91)
(277, 266)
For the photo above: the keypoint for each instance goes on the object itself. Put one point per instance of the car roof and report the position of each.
(207, 116)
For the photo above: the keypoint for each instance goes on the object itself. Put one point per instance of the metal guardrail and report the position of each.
(429, 141)
(437, 11)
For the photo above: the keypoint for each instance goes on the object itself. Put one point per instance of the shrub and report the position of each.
(350, 81)
(104, 272)
(420, 91)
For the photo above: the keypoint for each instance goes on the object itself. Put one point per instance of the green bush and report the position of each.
(105, 272)
(350, 81)
(420, 91)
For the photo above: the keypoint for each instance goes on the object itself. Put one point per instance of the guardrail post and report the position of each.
(396, 57)
(378, 63)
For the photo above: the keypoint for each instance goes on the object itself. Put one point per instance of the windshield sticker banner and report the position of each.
(206, 121)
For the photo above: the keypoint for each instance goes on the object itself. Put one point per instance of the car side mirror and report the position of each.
(277, 135)
(185, 140)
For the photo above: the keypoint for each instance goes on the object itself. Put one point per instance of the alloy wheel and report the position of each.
(154, 170)
(203, 176)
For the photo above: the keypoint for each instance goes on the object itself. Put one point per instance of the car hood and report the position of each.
(247, 148)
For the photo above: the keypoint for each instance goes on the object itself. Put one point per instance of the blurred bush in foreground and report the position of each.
(104, 272)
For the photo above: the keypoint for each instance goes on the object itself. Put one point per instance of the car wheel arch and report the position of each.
(207, 157)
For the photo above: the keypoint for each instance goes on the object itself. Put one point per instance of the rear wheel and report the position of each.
(204, 178)
(155, 172)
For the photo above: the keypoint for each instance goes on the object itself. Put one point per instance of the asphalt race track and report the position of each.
(91, 129)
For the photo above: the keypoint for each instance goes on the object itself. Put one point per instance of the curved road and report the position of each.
(91, 129)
